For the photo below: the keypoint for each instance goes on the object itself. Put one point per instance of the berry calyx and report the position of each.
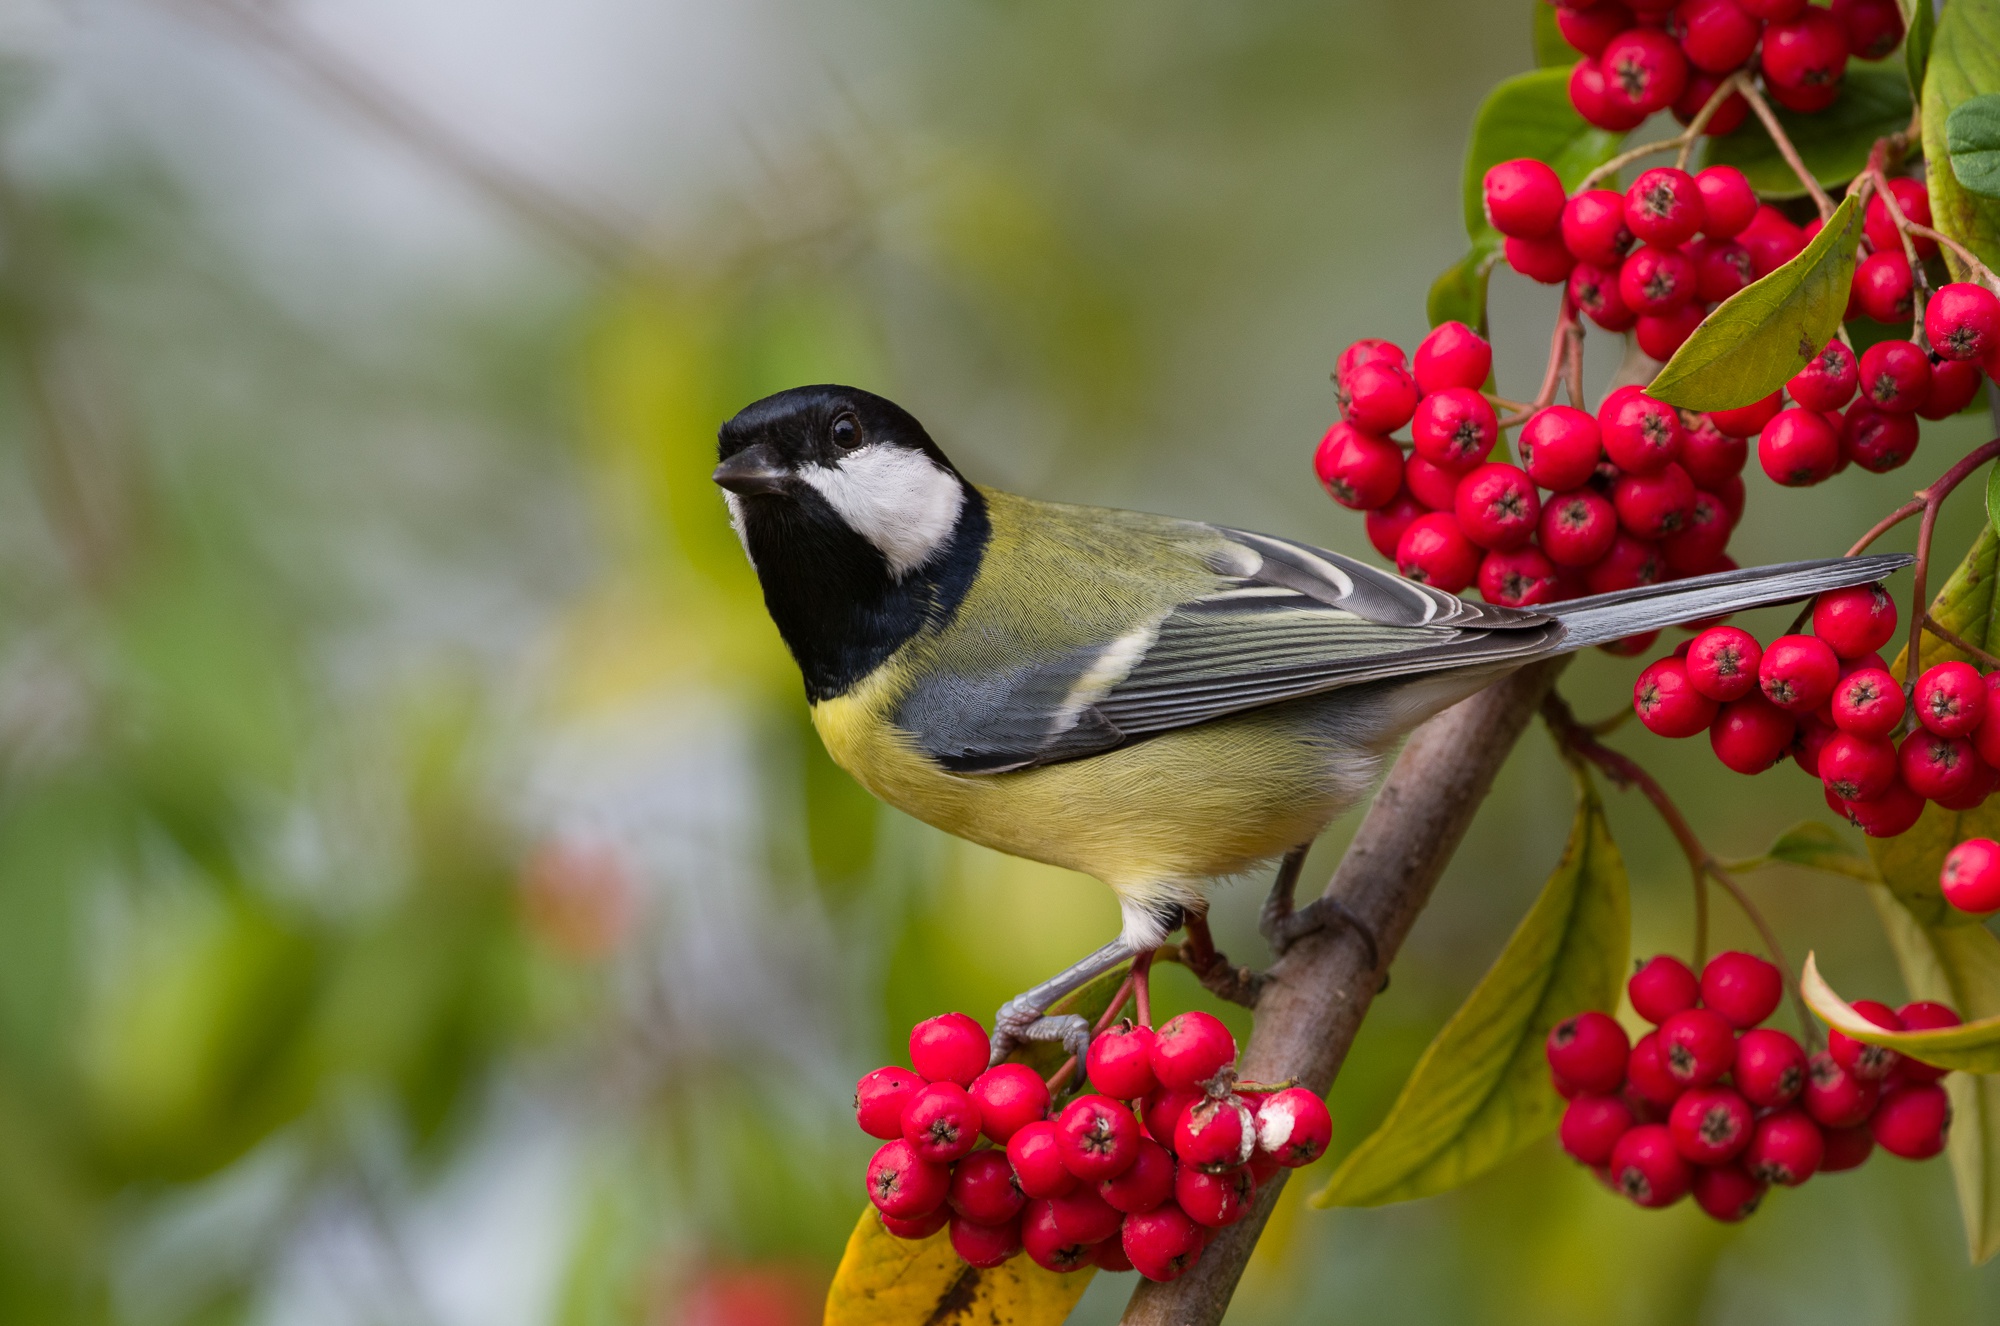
(1770, 1068)
(1870, 1063)
(1834, 1097)
(1710, 1125)
(1962, 321)
(1664, 207)
(1578, 528)
(1786, 1148)
(1359, 470)
(1497, 506)
(1097, 1137)
(1828, 380)
(1668, 704)
(1454, 428)
(1798, 673)
(1950, 699)
(941, 1122)
(1377, 397)
(1868, 703)
(1722, 663)
(903, 1184)
(1895, 377)
(1646, 1167)
(1640, 434)
(1594, 229)
(1216, 1133)
(1697, 1046)
(1045, 1246)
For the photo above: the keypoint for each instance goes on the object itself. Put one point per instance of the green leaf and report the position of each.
(1529, 115)
(1459, 293)
(1766, 332)
(1551, 51)
(1481, 1090)
(1833, 143)
(1993, 497)
(887, 1281)
(1964, 64)
(1959, 966)
(1919, 27)
(1972, 136)
(1813, 845)
(1972, 1047)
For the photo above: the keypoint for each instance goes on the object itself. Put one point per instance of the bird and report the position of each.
(1160, 703)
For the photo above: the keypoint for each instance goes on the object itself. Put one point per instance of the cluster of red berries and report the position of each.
(1643, 56)
(1711, 1103)
(1135, 1174)
(1828, 700)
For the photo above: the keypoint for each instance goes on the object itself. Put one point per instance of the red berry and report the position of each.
(1835, 1097)
(1697, 1046)
(1772, 240)
(1855, 621)
(1110, 1256)
(1010, 1097)
(1524, 199)
(1293, 1127)
(1983, 783)
(1594, 290)
(1914, 200)
(1970, 879)
(1950, 698)
(1876, 441)
(985, 1245)
(1870, 1063)
(1884, 287)
(1097, 1137)
(1667, 704)
(902, 1184)
(1652, 506)
(1434, 551)
(1857, 768)
(1358, 470)
(1044, 1246)
(1727, 201)
(1873, 27)
(949, 1048)
(1453, 355)
(1578, 528)
(1146, 1182)
(1590, 1050)
(1701, 540)
(1454, 428)
(1804, 59)
(1912, 1121)
(1727, 1192)
(941, 1122)
(1646, 1168)
(1895, 377)
(1036, 1156)
(1640, 434)
(1785, 1148)
(1751, 734)
(1827, 382)
(1722, 663)
(1962, 321)
(1594, 229)
(1890, 815)
(1721, 268)
(1520, 578)
(983, 1188)
(1120, 1062)
(1216, 1133)
(1663, 206)
(1368, 350)
(881, 1097)
(1590, 94)
(1799, 448)
(1081, 1215)
(1646, 1073)
(1770, 1067)
(1986, 737)
(1377, 397)
(1716, 35)
(1559, 447)
(1846, 1148)
(1162, 1111)
(1587, 30)
(1215, 1199)
(1385, 527)
(1263, 1168)
(1749, 420)
(1662, 987)
(1797, 673)
(1924, 1015)
(1656, 280)
(1660, 334)
(1543, 260)
(1592, 1125)
(1773, 11)
(1938, 768)
(1807, 743)
(1644, 71)
(923, 1226)
(1497, 506)
(1162, 1243)
(1190, 1048)
(1432, 485)
(1954, 383)
(1741, 987)
(1710, 1125)
(1710, 456)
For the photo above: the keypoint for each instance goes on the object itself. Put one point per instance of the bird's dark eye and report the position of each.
(846, 432)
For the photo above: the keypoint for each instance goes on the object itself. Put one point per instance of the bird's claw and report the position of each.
(1017, 1023)
(1282, 930)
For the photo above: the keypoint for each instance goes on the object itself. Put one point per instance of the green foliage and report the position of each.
(1551, 51)
(1766, 332)
(1964, 65)
(1972, 136)
(1529, 115)
(1833, 143)
(1459, 293)
(1817, 847)
(1919, 29)
(1481, 1091)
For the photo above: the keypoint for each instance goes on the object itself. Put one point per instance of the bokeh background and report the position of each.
(422, 899)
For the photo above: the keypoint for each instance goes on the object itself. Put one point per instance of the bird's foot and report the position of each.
(1212, 967)
(1019, 1022)
(1283, 928)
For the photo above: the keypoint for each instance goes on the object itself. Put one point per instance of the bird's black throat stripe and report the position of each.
(831, 593)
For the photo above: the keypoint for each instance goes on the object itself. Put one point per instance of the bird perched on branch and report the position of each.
(1159, 703)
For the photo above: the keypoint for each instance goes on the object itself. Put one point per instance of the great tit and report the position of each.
(1159, 703)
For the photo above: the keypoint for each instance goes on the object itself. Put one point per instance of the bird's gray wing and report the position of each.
(1286, 620)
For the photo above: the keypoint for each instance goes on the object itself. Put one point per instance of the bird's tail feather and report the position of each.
(1603, 618)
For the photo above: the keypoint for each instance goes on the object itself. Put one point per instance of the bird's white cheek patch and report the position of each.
(895, 498)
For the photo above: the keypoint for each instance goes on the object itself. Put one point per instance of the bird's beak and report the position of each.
(755, 469)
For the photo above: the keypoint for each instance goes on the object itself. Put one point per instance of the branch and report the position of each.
(1320, 990)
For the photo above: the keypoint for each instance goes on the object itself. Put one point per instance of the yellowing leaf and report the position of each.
(1960, 966)
(1814, 845)
(887, 1281)
(1481, 1091)
(1766, 332)
(1973, 1047)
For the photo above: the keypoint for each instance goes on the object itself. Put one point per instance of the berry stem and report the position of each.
(1957, 641)
(1683, 141)
(1902, 223)
(1133, 987)
(1783, 141)
(1142, 989)
(1707, 112)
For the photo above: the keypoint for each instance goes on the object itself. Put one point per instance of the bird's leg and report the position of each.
(1021, 1018)
(1220, 977)
(1283, 925)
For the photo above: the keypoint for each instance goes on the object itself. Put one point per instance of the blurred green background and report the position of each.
(421, 897)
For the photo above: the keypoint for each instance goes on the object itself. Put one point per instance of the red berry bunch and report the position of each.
(1652, 55)
(1828, 700)
(1134, 1174)
(1713, 1104)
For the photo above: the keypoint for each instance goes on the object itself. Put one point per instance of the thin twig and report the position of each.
(1885, 524)
(1965, 255)
(1684, 140)
(1932, 501)
(1785, 148)
(1921, 292)
(1957, 641)
(1708, 111)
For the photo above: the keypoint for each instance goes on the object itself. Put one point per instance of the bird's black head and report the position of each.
(860, 530)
